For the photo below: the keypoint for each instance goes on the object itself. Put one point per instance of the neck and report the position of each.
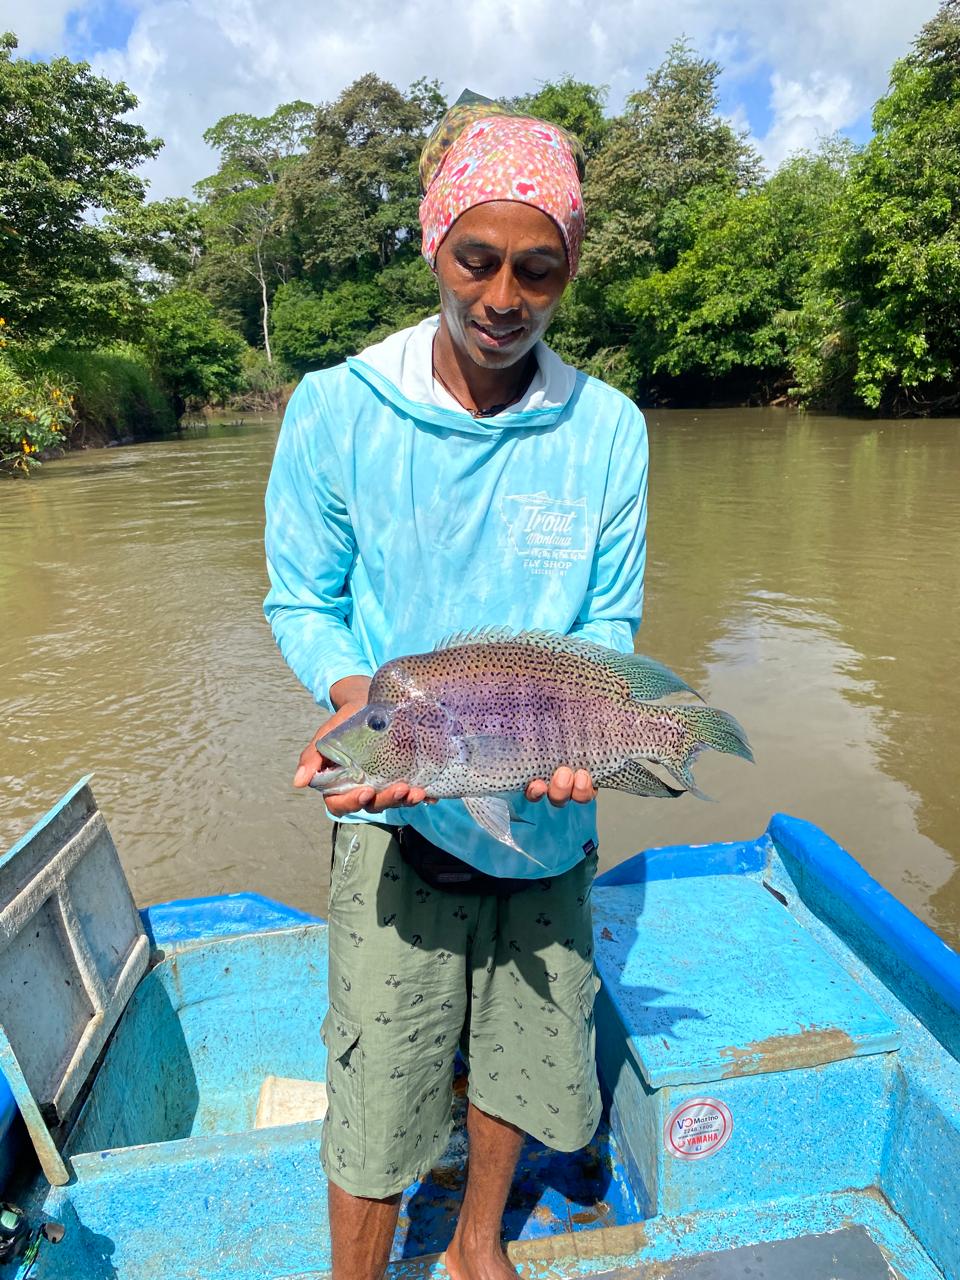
(479, 390)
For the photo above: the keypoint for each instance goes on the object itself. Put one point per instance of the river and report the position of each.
(804, 572)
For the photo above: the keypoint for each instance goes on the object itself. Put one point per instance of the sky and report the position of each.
(793, 71)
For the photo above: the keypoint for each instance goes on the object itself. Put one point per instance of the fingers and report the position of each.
(583, 789)
(536, 790)
(561, 786)
(389, 798)
(566, 785)
(309, 763)
(349, 801)
(397, 795)
(417, 795)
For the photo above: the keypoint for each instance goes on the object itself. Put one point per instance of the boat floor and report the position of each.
(553, 1192)
(847, 1254)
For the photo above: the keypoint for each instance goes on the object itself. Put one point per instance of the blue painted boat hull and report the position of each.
(768, 991)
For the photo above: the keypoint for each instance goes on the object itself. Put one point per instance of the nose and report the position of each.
(504, 294)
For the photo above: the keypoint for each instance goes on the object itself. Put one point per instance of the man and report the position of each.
(457, 476)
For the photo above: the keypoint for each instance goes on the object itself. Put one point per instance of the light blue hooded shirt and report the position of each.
(395, 518)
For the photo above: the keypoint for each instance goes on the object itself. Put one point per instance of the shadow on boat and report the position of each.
(93, 1253)
(554, 1192)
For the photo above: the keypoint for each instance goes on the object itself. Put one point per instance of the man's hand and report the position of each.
(350, 696)
(565, 785)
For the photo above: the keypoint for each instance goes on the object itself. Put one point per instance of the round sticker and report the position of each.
(697, 1128)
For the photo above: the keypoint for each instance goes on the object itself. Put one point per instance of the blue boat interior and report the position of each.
(777, 1045)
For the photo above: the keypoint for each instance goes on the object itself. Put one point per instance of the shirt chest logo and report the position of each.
(548, 533)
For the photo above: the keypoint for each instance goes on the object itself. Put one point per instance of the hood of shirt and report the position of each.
(400, 369)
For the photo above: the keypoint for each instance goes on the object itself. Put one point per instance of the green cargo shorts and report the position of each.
(417, 972)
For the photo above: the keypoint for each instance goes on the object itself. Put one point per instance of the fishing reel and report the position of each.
(18, 1237)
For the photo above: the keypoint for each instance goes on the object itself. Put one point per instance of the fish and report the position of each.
(488, 711)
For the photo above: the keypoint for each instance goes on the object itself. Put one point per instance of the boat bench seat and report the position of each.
(714, 992)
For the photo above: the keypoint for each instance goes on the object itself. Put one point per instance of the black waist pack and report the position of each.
(441, 870)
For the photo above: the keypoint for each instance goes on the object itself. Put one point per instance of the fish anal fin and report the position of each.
(683, 775)
(639, 781)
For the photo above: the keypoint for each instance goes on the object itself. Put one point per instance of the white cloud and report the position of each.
(39, 26)
(192, 61)
(804, 112)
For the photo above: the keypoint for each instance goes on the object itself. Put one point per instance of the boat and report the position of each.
(777, 1042)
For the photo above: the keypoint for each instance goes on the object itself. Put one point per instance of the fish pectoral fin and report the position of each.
(493, 815)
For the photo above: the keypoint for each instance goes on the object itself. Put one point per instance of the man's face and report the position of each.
(501, 270)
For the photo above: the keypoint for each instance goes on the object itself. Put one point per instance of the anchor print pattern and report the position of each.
(408, 962)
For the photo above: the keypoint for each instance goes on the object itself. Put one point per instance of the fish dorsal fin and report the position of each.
(646, 678)
(477, 635)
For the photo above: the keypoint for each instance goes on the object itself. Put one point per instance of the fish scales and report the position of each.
(486, 713)
(554, 706)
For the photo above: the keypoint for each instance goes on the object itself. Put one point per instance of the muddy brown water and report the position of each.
(804, 572)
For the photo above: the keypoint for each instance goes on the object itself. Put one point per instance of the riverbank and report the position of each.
(55, 399)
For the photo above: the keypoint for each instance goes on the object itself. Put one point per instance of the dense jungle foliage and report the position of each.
(833, 282)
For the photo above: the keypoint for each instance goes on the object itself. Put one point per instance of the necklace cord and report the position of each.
(496, 408)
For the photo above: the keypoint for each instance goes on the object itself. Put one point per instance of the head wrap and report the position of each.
(482, 152)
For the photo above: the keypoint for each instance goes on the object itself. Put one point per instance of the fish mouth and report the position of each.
(345, 774)
(329, 749)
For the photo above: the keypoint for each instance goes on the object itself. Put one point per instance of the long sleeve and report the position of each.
(310, 549)
(613, 604)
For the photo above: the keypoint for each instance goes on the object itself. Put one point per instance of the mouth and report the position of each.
(343, 776)
(496, 337)
(330, 751)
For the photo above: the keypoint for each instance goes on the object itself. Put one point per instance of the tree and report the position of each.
(68, 187)
(721, 316)
(880, 325)
(572, 104)
(195, 355)
(159, 242)
(315, 329)
(669, 141)
(244, 238)
(352, 203)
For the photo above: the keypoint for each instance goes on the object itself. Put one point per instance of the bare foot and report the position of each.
(489, 1265)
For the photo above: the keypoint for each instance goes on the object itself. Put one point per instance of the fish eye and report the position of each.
(376, 721)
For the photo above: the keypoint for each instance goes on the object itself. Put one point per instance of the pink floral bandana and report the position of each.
(501, 157)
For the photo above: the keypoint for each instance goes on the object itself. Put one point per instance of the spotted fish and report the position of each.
(488, 711)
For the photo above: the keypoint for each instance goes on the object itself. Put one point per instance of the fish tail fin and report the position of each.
(709, 727)
(704, 727)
